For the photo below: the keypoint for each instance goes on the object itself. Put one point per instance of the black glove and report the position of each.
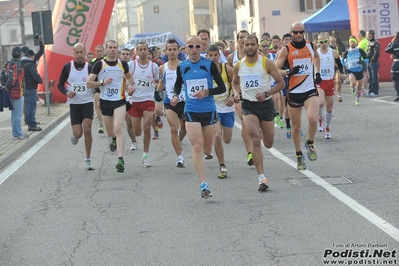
(318, 78)
(294, 70)
(360, 62)
(158, 96)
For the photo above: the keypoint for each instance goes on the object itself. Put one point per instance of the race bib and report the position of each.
(194, 85)
(305, 66)
(142, 83)
(326, 71)
(353, 63)
(251, 81)
(79, 88)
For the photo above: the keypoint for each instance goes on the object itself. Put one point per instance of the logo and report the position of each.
(295, 52)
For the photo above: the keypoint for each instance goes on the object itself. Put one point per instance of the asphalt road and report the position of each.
(53, 212)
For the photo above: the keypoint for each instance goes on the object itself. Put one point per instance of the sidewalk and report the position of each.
(11, 149)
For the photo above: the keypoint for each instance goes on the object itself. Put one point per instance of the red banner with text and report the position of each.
(83, 21)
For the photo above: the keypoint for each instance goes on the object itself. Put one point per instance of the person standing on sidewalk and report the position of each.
(373, 54)
(393, 49)
(15, 85)
(74, 75)
(32, 79)
(113, 77)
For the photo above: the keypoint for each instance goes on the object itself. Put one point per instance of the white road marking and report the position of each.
(351, 203)
(25, 157)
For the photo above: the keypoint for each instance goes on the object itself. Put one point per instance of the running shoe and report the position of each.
(277, 119)
(134, 146)
(250, 162)
(209, 156)
(101, 129)
(320, 124)
(159, 122)
(74, 140)
(180, 163)
(263, 185)
(112, 144)
(145, 162)
(357, 103)
(281, 123)
(89, 166)
(339, 99)
(204, 191)
(327, 133)
(288, 134)
(312, 155)
(223, 172)
(120, 166)
(156, 134)
(301, 162)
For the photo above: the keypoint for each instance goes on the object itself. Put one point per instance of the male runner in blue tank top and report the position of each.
(197, 75)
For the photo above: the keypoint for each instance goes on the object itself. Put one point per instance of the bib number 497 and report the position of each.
(196, 88)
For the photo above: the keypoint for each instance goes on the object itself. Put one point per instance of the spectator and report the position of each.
(363, 45)
(17, 98)
(373, 54)
(393, 48)
(32, 79)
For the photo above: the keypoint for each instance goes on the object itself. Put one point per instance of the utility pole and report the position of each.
(21, 22)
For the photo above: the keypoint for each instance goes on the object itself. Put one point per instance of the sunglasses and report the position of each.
(298, 31)
(125, 54)
(265, 46)
(323, 41)
(191, 46)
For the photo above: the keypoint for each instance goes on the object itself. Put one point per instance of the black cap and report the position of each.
(287, 35)
(29, 53)
(24, 49)
(16, 52)
(266, 34)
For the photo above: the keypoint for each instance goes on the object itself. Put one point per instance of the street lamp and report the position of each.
(264, 24)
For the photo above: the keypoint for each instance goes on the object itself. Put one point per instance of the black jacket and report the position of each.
(32, 77)
(373, 50)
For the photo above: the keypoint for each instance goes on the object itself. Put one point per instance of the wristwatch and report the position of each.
(267, 95)
(102, 82)
(288, 72)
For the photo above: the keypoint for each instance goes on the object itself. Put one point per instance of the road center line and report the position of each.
(25, 157)
(351, 203)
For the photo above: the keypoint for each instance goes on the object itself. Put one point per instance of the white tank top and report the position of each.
(235, 57)
(114, 91)
(170, 80)
(77, 82)
(143, 80)
(327, 63)
(253, 78)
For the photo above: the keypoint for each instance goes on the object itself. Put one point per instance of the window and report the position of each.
(238, 3)
(13, 36)
(312, 5)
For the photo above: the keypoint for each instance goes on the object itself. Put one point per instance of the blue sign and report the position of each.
(276, 13)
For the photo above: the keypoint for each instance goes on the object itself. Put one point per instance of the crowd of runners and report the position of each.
(200, 87)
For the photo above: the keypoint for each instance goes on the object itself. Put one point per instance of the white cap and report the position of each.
(129, 46)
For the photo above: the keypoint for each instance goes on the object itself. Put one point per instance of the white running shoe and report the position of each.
(146, 162)
(327, 133)
(180, 163)
(134, 146)
(89, 166)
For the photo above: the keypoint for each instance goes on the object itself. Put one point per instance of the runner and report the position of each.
(303, 61)
(99, 51)
(174, 114)
(353, 59)
(126, 55)
(145, 77)
(225, 109)
(233, 59)
(74, 75)
(252, 82)
(326, 89)
(111, 73)
(197, 75)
